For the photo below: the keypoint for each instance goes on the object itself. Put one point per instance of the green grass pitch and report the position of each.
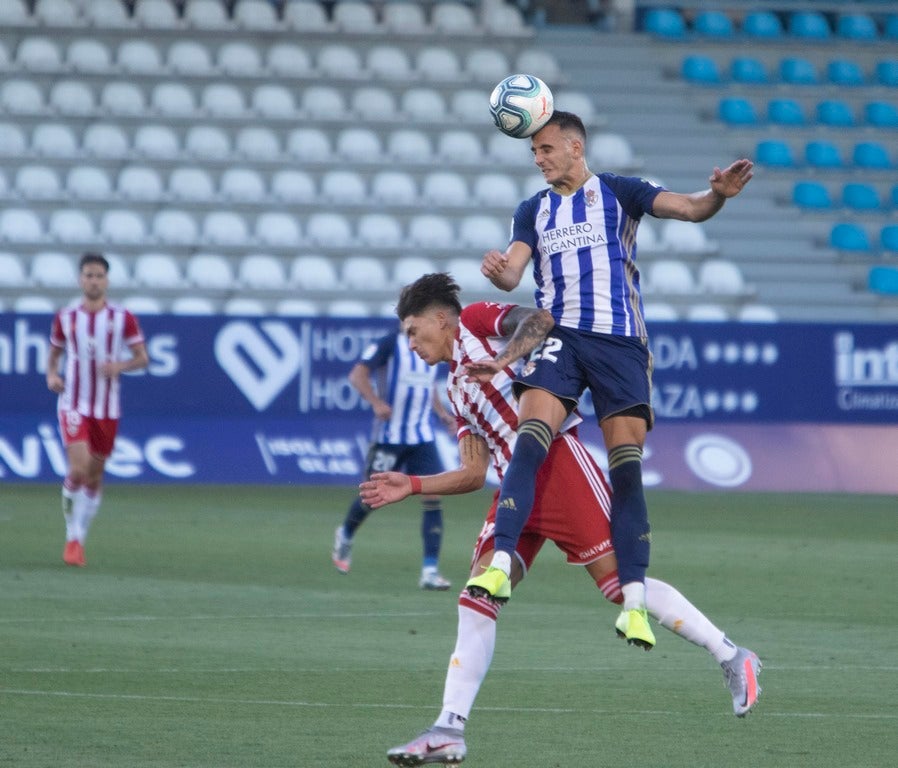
(210, 630)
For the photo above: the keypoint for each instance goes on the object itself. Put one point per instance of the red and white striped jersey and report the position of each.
(488, 410)
(89, 340)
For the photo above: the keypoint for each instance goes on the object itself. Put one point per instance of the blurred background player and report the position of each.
(401, 390)
(94, 337)
(571, 502)
(579, 238)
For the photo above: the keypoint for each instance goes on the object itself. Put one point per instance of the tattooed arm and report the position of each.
(528, 329)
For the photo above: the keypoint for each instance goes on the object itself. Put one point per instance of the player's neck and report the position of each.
(93, 305)
(570, 185)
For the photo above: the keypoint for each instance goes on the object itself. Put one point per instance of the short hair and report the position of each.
(91, 257)
(568, 121)
(436, 289)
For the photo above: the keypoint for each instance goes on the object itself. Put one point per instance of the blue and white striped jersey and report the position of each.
(406, 382)
(584, 252)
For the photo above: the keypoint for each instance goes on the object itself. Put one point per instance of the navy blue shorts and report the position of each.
(617, 370)
(420, 459)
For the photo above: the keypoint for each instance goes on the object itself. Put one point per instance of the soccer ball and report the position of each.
(521, 105)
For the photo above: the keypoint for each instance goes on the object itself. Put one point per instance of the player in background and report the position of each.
(571, 502)
(580, 235)
(95, 337)
(400, 388)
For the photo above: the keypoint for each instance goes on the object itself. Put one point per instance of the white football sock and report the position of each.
(634, 595)
(674, 612)
(468, 665)
(68, 513)
(502, 561)
(86, 506)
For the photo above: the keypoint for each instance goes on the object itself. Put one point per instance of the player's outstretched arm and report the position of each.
(528, 328)
(700, 206)
(384, 488)
(505, 270)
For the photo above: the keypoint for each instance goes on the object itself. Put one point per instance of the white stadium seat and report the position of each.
(482, 232)
(255, 15)
(379, 230)
(685, 237)
(453, 19)
(358, 144)
(140, 182)
(206, 14)
(37, 181)
(388, 62)
(339, 60)
(467, 274)
(612, 151)
(140, 57)
(71, 225)
(175, 227)
(39, 54)
(347, 308)
(356, 17)
(277, 229)
(192, 305)
(208, 142)
(296, 308)
(540, 63)
(329, 229)
(509, 152)
(373, 103)
(306, 16)
(659, 311)
(487, 65)
(257, 142)
(142, 305)
(501, 19)
(430, 230)
(407, 269)
(19, 96)
(273, 101)
(56, 13)
(469, 104)
(404, 18)
(191, 183)
(346, 187)
(364, 273)
(35, 304)
(172, 100)
(408, 145)
(119, 97)
(262, 271)
(156, 14)
(324, 102)
(107, 14)
(225, 228)
(757, 313)
(242, 184)
(54, 270)
(707, 313)
(577, 102)
(12, 273)
(122, 227)
(222, 100)
(459, 146)
(720, 276)
(669, 276)
(647, 240)
(394, 188)
(20, 225)
(245, 306)
(188, 57)
(119, 270)
(314, 273)
(105, 140)
(496, 189)
(14, 142)
(445, 188)
(438, 64)
(14, 12)
(89, 55)
(288, 60)
(210, 271)
(158, 270)
(292, 186)
(71, 97)
(240, 58)
(156, 141)
(309, 144)
(424, 105)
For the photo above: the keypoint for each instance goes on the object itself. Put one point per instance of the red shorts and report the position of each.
(572, 507)
(99, 434)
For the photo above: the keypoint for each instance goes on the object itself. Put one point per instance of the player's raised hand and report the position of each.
(384, 488)
(494, 263)
(730, 181)
(481, 371)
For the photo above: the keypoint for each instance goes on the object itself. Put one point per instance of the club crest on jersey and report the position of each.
(529, 367)
(591, 197)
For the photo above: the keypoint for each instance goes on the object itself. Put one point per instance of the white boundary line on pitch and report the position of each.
(326, 705)
(213, 617)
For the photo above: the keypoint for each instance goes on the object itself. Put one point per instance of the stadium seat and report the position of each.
(881, 114)
(734, 110)
(12, 273)
(288, 60)
(609, 150)
(370, 103)
(140, 182)
(192, 305)
(240, 58)
(225, 228)
(121, 226)
(466, 272)
(404, 18)
(444, 188)
(33, 304)
(107, 14)
(309, 144)
(39, 54)
(139, 57)
(870, 154)
(358, 144)
(14, 143)
(407, 269)
(883, 279)
(763, 24)
(701, 70)
(356, 17)
(811, 195)
(394, 187)
(890, 30)
(835, 113)
(273, 101)
(502, 19)
(388, 62)
(122, 98)
(798, 71)
(757, 313)
(660, 311)
(88, 182)
(492, 189)
(329, 229)
(888, 238)
(411, 146)
(430, 230)
(512, 152)
(668, 276)
(156, 14)
(714, 24)
(363, 274)
(860, 196)
(296, 308)
(156, 141)
(424, 105)
(19, 96)
(887, 71)
(857, 26)
(647, 240)
(188, 57)
(54, 270)
(244, 185)
(306, 16)
(486, 65)
(578, 102)
(459, 145)
(324, 102)
(379, 230)
(721, 277)
(71, 97)
(257, 142)
(207, 141)
(172, 100)
(438, 64)
(664, 22)
(206, 14)
(174, 227)
(748, 70)
(20, 225)
(261, 271)
(480, 231)
(343, 186)
(823, 154)
(71, 225)
(339, 60)
(100, 140)
(241, 306)
(539, 62)
(314, 273)
(293, 186)
(685, 237)
(277, 229)
(706, 313)
(89, 55)
(57, 13)
(453, 19)
(849, 237)
(34, 182)
(785, 112)
(192, 184)
(209, 271)
(222, 100)
(845, 72)
(256, 15)
(347, 308)
(157, 270)
(14, 13)
(894, 196)
(809, 25)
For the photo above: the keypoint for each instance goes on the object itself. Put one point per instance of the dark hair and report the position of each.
(568, 121)
(91, 257)
(437, 289)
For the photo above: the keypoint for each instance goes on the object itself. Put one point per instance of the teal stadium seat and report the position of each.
(888, 237)
(861, 197)
(883, 280)
(809, 25)
(734, 110)
(714, 24)
(835, 113)
(849, 237)
(798, 71)
(882, 114)
(857, 26)
(895, 196)
(665, 22)
(870, 154)
(823, 154)
(785, 112)
(887, 72)
(749, 70)
(765, 24)
(845, 72)
(701, 70)
(774, 153)
(890, 30)
(811, 195)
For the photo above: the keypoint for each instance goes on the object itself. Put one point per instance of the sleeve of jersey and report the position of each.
(133, 334)
(484, 318)
(636, 196)
(378, 354)
(56, 337)
(523, 223)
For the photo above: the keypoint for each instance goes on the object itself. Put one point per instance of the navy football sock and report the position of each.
(519, 483)
(431, 531)
(630, 531)
(355, 517)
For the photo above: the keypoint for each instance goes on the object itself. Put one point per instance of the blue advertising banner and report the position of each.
(234, 400)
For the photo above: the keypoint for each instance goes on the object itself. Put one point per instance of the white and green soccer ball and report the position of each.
(521, 105)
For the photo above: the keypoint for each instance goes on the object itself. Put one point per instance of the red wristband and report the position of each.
(416, 484)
